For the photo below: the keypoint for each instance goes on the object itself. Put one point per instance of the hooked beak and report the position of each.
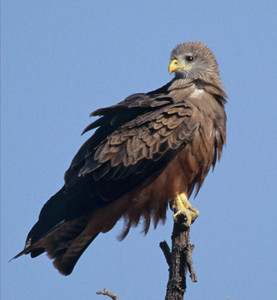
(174, 66)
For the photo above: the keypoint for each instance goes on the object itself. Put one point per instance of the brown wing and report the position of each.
(131, 166)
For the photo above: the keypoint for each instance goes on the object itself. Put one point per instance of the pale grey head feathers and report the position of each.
(198, 59)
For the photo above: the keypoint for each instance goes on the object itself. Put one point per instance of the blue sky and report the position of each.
(63, 59)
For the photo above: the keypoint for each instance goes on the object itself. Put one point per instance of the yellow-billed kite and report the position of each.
(148, 151)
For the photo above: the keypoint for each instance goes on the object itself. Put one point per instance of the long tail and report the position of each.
(65, 244)
(61, 236)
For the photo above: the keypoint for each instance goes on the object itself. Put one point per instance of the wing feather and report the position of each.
(147, 137)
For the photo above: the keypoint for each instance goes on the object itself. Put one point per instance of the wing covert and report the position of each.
(154, 137)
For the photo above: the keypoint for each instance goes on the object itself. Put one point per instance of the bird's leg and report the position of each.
(184, 213)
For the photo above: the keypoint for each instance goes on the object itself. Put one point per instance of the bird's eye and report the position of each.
(189, 58)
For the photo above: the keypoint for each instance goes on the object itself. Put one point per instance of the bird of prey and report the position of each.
(149, 151)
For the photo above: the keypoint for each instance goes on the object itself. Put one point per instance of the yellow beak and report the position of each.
(173, 66)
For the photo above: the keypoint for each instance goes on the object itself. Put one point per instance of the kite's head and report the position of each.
(193, 60)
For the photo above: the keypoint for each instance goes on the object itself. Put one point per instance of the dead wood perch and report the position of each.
(179, 260)
(107, 293)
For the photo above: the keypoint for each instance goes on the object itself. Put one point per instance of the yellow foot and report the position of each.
(185, 213)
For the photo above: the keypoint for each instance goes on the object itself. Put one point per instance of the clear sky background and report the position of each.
(63, 59)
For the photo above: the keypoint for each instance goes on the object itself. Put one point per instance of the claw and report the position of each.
(185, 213)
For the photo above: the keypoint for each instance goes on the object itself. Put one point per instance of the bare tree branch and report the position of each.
(107, 293)
(190, 262)
(179, 261)
(166, 250)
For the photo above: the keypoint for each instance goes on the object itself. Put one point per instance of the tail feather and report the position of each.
(68, 223)
(68, 259)
(60, 239)
(61, 222)
(65, 244)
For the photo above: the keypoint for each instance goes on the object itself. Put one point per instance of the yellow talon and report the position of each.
(184, 213)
